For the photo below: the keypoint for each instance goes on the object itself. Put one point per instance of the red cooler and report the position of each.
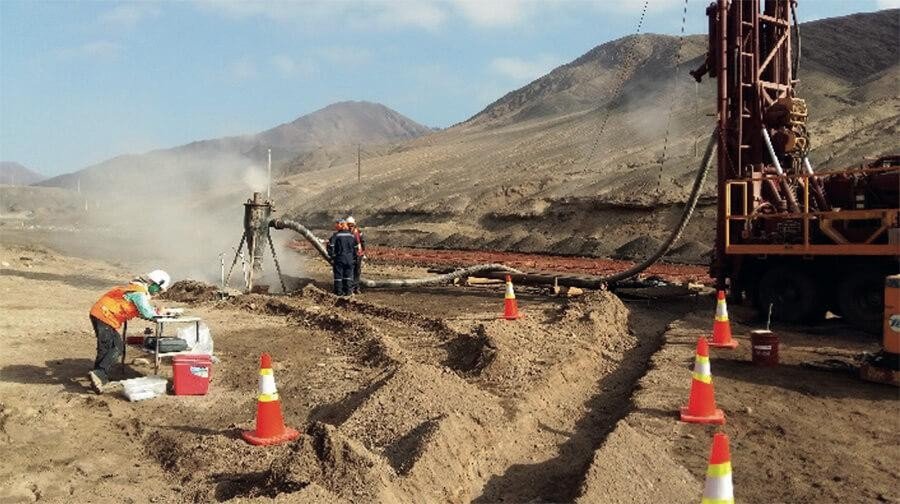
(191, 374)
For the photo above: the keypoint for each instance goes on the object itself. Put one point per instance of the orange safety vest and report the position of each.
(114, 309)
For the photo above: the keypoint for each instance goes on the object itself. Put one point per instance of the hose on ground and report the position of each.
(597, 282)
(390, 282)
(686, 214)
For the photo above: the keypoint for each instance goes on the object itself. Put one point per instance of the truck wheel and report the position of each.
(861, 298)
(792, 294)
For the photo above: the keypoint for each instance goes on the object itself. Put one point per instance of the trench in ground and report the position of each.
(550, 467)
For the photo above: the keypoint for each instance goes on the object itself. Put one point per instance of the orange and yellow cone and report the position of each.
(510, 307)
(721, 337)
(270, 428)
(718, 488)
(701, 407)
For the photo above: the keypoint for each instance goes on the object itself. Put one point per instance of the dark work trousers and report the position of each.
(109, 348)
(343, 277)
(357, 272)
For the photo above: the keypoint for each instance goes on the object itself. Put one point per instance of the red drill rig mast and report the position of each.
(786, 237)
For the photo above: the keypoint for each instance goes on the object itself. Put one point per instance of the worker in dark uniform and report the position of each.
(342, 252)
(360, 252)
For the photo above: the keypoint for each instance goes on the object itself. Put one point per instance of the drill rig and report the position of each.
(787, 238)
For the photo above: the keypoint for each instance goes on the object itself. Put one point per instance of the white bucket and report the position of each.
(145, 387)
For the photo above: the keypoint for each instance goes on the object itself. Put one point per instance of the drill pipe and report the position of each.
(587, 282)
(392, 282)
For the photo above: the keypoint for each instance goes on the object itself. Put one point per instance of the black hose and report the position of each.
(392, 282)
(686, 214)
(596, 282)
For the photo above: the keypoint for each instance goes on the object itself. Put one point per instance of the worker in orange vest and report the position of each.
(110, 313)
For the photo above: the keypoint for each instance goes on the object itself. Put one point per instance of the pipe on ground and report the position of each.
(392, 282)
(500, 269)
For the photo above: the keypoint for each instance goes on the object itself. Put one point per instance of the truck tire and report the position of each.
(792, 293)
(860, 298)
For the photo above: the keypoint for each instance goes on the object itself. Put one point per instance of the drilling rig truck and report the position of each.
(789, 238)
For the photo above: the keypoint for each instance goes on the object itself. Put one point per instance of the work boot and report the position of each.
(96, 383)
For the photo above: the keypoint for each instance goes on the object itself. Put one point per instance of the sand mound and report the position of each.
(634, 467)
(191, 291)
(692, 252)
(327, 457)
(639, 248)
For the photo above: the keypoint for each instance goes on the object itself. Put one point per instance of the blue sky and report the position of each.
(81, 82)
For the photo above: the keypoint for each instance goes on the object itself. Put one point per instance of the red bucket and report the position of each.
(765, 347)
(191, 374)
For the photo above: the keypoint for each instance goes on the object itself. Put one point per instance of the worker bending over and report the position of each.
(112, 311)
(360, 252)
(342, 252)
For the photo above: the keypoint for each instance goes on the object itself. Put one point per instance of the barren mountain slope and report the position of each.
(534, 171)
(200, 166)
(12, 173)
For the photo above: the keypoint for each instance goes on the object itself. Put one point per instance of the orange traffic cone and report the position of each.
(270, 429)
(701, 406)
(718, 488)
(722, 327)
(510, 307)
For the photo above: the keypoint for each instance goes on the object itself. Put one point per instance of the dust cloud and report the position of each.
(181, 212)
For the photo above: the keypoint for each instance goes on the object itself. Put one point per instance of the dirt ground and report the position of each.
(425, 396)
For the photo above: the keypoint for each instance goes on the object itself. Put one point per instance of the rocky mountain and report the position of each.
(602, 149)
(12, 173)
(204, 165)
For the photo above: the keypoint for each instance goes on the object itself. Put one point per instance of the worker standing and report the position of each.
(342, 252)
(112, 311)
(360, 252)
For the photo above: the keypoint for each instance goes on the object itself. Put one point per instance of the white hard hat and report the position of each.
(351, 220)
(161, 278)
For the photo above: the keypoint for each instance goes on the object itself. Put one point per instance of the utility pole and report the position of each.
(269, 186)
(358, 164)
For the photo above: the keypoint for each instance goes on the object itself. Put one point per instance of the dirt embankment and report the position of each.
(797, 434)
(450, 410)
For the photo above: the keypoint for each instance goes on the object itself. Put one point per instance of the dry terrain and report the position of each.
(425, 396)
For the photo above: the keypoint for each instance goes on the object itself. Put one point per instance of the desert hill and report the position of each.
(198, 167)
(12, 173)
(532, 172)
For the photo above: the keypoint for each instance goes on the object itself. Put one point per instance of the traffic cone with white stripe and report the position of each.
(270, 428)
(722, 327)
(718, 488)
(701, 407)
(510, 307)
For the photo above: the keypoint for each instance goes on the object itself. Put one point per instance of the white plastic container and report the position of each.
(202, 343)
(145, 387)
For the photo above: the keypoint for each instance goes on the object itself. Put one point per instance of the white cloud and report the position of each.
(495, 13)
(128, 15)
(522, 70)
(367, 14)
(98, 50)
(242, 69)
(345, 55)
(359, 14)
(887, 4)
(291, 67)
(417, 14)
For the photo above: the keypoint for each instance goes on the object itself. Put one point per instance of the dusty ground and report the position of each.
(424, 396)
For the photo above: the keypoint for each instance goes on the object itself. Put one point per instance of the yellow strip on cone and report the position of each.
(721, 337)
(718, 488)
(510, 307)
(270, 428)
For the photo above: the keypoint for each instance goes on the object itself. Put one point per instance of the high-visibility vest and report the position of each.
(113, 309)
